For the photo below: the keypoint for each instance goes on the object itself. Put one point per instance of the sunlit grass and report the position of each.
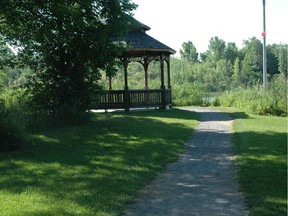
(261, 156)
(93, 169)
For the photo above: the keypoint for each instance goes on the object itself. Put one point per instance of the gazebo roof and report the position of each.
(141, 43)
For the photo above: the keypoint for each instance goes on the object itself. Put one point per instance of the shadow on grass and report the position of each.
(93, 169)
(210, 113)
(262, 168)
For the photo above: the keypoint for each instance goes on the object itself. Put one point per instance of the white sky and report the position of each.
(176, 21)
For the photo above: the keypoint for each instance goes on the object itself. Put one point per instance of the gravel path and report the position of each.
(203, 181)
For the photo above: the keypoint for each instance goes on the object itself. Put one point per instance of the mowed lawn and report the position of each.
(260, 145)
(93, 169)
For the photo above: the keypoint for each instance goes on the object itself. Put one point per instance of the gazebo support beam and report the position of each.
(162, 81)
(146, 64)
(126, 88)
(168, 73)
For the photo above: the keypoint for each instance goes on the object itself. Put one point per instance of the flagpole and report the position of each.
(264, 47)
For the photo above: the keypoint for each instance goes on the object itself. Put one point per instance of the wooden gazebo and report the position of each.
(143, 49)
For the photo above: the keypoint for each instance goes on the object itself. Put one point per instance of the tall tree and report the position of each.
(252, 63)
(272, 61)
(283, 60)
(216, 49)
(72, 39)
(231, 52)
(236, 72)
(223, 74)
(189, 52)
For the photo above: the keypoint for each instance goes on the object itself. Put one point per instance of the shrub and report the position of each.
(278, 91)
(14, 108)
(11, 121)
(190, 94)
(256, 100)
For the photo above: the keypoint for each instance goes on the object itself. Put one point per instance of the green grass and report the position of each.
(93, 169)
(261, 158)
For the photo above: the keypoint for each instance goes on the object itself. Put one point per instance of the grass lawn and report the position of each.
(93, 169)
(261, 157)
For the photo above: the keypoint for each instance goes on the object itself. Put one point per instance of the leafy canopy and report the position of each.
(72, 40)
(189, 52)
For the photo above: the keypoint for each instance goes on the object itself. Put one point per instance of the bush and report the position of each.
(256, 100)
(190, 94)
(278, 91)
(12, 119)
(15, 109)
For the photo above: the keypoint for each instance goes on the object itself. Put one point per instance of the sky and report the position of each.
(176, 21)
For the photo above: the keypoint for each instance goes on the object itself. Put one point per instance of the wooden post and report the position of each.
(126, 89)
(168, 73)
(169, 82)
(145, 65)
(162, 81)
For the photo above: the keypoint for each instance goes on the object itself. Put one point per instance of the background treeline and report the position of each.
(197, 78)
(223, 75)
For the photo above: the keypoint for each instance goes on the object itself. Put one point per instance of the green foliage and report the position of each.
(231, 52)
(7, 57)
(190, 94)
(13, 117)
(258, 101)
(225, 68)
(14, 77)
(282, 59)
(216, 49)
(236, 72)
(189, 52)
(72, 40)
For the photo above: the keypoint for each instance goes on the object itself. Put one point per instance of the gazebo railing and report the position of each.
(115, 99)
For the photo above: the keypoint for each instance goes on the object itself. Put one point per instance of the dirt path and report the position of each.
(203, 181)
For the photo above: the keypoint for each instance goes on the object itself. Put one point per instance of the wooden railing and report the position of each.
(116, 99)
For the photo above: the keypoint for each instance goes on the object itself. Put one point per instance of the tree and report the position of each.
(73, 40)
(236, 72)
(283, 60)
(189, 52)
(252, 63)
(272, 61)
(216, 49)
(7, 57)
(231, 52)
(223, 74)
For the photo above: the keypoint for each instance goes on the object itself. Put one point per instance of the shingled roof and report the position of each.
(139, 41)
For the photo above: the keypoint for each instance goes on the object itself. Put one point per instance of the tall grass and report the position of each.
(256, 100)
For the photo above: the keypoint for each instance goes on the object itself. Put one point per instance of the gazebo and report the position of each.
(143, 49)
